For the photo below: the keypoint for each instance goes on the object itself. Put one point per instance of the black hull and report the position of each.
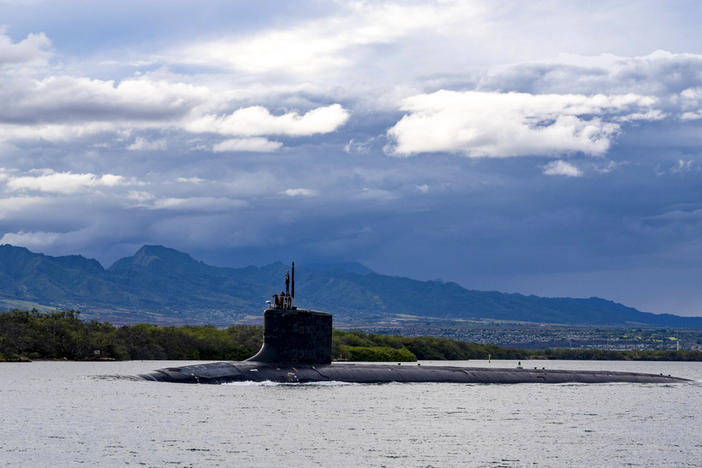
(242, 371)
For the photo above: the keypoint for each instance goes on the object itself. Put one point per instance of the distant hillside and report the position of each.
(162, 285)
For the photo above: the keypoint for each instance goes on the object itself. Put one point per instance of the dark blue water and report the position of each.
(68, 414)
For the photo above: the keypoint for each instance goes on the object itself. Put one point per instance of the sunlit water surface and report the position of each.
(69, 413)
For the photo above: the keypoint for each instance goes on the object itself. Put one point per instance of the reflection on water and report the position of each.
(65, 413)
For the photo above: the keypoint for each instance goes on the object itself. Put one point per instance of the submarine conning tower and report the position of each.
(292, 335)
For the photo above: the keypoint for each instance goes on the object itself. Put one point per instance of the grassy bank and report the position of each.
(26, 335)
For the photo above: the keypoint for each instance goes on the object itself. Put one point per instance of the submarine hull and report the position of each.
(242, 371)
(297, 347)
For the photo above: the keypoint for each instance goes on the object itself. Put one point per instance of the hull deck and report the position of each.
(225, 372)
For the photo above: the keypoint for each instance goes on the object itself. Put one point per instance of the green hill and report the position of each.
(162, 285)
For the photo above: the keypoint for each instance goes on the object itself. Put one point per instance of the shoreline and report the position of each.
(32, 335)
(346, 361)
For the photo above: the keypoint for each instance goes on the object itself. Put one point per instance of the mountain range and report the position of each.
(164, 286)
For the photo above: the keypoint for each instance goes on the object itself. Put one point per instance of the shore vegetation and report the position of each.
(30, 335)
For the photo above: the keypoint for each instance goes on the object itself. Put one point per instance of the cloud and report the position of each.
(562, 168)
(257, 120)
(204, 204)
(608, 167)
(189, 180)
(63, 182)
(73, 100)
(195, 204)
(671, 77)
(299, 192)
(54, 132)
(139, 196)
(33, 48)
(255, 144)
(56, 106)
(489, 124)
(376, 194)
(361, 147)
(142, 144)
(64, 108)
(688, 165)
(333, 42)
(12, 205)
(31, 240)
(691, 102)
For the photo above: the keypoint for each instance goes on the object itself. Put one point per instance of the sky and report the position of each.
(543, 147)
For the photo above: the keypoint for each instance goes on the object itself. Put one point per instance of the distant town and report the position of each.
(545, 336)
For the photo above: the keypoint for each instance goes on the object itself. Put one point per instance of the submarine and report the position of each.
(297, 348)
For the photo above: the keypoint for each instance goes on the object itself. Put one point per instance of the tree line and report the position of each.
(27, 335)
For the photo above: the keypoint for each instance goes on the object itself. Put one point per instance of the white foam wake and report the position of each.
(270, 383)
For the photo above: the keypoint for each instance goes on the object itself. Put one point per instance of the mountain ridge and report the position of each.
(162, 285)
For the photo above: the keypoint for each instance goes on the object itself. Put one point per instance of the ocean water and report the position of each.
(92, 413)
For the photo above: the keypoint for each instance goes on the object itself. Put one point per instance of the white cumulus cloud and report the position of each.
(257, 120)
(33, 48)
(492, 124)
(254, 144)
(562, 168)
(63, 182)
(299, 192)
